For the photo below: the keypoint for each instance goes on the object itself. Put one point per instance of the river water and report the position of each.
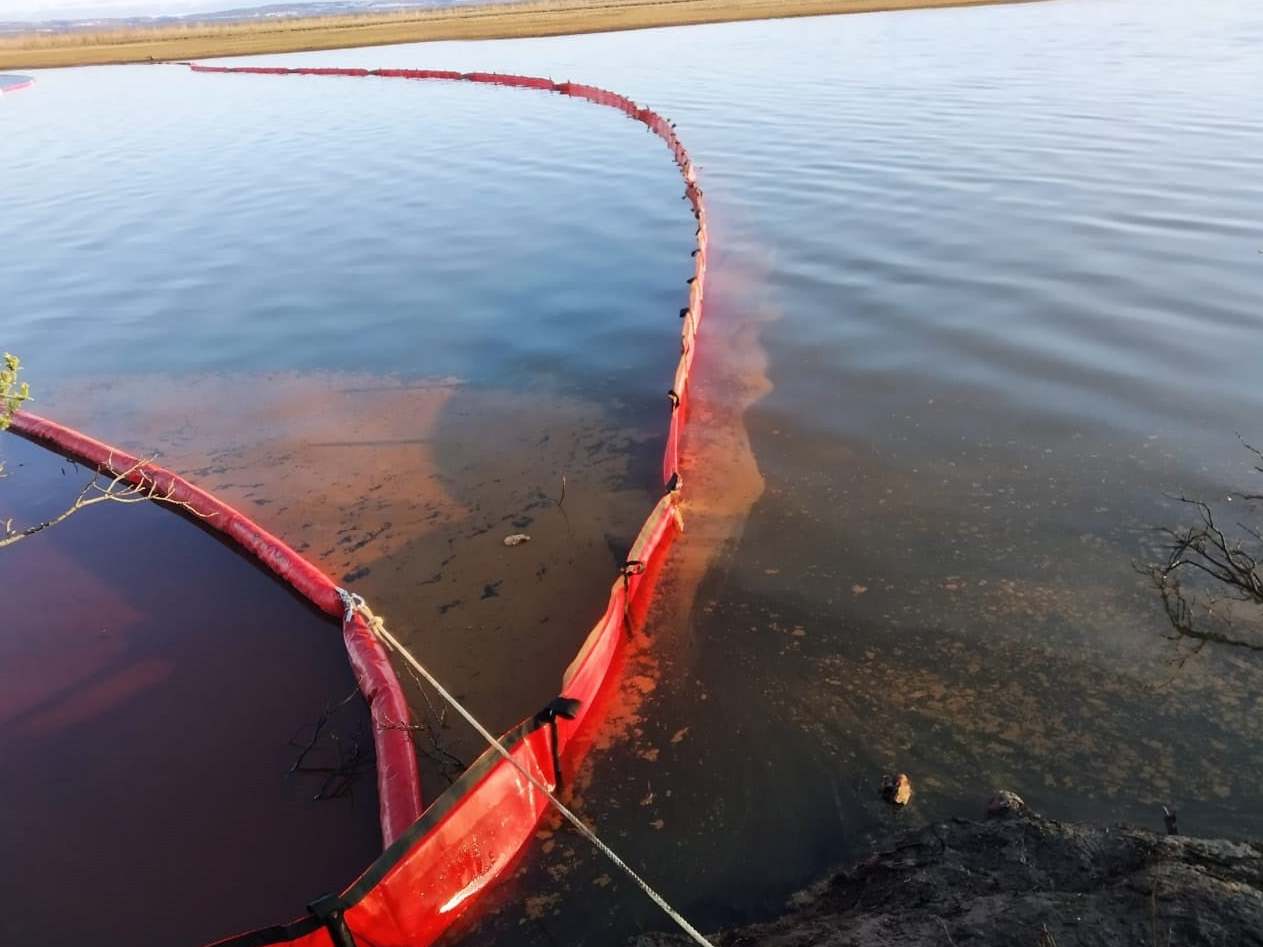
(986, 292)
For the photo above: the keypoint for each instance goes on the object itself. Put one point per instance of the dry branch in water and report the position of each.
(1208, 574)
(120, 489)
(350, 762)
(450, 765)
(133, 485)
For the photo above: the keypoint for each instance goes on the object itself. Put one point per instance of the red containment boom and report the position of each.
(435, 862)
(11, 83)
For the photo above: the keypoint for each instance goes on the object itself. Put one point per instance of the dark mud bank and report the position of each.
(1018, 878)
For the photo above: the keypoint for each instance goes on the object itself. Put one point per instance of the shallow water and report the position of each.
(999, 266)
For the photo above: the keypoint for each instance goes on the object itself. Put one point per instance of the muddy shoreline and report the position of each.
(1019, 878)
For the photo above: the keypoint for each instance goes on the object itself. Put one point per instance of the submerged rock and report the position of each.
(1022, 879)
(896, 789)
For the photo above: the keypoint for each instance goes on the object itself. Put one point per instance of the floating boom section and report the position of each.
(436, 862)
(398, 780)
(12, 83)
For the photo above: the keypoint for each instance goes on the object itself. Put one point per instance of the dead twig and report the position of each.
(339, 778)
(1208, 573)
(442, 756)
(1258, 453)
(315, 731)
(449, 763)
(132, 485)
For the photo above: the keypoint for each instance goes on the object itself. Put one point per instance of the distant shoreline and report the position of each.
(498, 21)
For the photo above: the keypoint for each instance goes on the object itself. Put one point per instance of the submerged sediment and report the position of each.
(1018, 878)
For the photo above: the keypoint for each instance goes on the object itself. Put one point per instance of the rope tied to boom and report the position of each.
(353, 604)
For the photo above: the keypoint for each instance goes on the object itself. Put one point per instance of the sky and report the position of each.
(55, 9)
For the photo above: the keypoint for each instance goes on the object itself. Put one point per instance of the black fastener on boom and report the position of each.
(557, 707)
(328, 910)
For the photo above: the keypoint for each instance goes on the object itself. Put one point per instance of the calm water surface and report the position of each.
(1004, 268)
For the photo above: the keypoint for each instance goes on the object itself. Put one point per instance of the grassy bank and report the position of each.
(499, 21)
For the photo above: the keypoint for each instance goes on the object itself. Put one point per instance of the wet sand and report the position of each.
(498, 21)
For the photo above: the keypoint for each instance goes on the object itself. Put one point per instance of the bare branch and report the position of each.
(1211, 560)
(132, 485)
(449, 763)
(338, 779)
(1258, 453)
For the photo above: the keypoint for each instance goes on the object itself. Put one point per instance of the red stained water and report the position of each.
(151, 682)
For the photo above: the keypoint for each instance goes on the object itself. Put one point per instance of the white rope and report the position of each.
(355, 603)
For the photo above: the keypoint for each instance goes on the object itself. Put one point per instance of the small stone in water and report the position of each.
(896, 789)
(516, 539)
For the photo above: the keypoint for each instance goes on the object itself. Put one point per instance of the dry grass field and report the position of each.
(496, 21)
